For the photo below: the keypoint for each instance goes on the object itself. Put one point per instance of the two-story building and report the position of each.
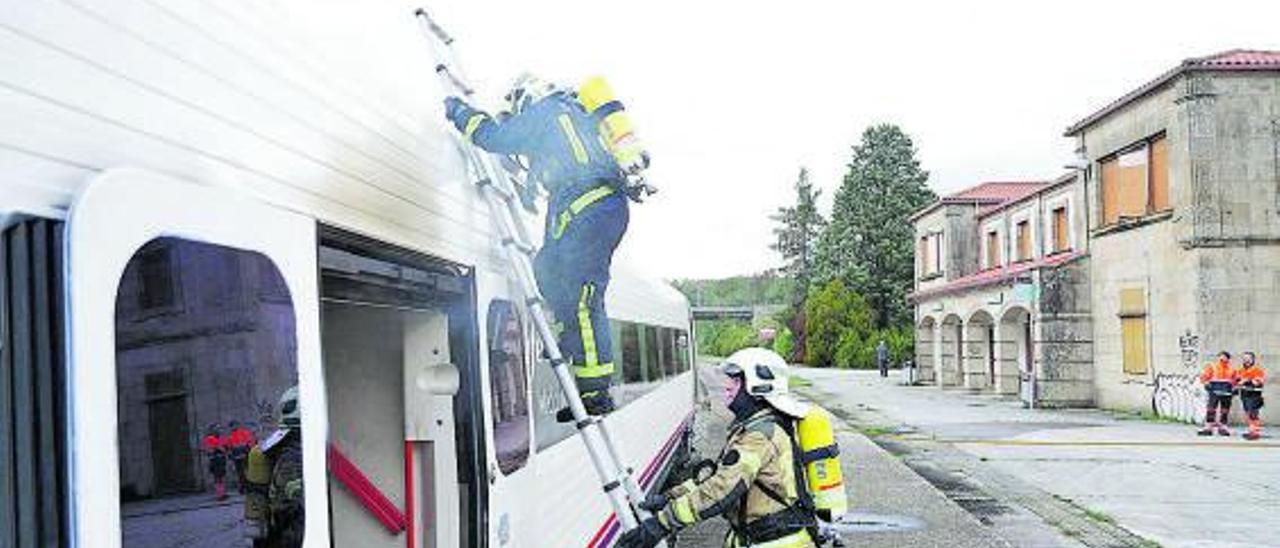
(1002, 291)
(1183, 187)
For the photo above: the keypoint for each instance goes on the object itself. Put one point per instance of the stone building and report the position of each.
(1002, 292)
(204, 335)
(1183, 187)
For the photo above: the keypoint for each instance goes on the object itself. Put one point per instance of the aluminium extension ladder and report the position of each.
(505, 206)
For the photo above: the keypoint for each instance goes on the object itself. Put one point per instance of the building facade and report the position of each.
(1184, 225)
(1002, 292)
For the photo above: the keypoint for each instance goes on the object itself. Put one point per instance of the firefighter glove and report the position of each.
(647, 535)
(654, 503)
(457, 111)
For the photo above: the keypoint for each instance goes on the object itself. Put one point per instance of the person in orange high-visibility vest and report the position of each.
(1219, 380)
(1251, 378)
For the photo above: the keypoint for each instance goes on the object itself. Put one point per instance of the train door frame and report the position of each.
(470, 416)
(117, 213)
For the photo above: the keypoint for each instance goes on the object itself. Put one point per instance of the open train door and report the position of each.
(193, 309)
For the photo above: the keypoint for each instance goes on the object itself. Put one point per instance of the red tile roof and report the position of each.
(995, 276)
(1230, 60)
(989, 195)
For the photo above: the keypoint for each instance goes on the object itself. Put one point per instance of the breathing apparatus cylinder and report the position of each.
(616, 127)
(821, 458)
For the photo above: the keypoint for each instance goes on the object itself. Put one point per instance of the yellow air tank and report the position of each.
(615, 126)
(821, 458)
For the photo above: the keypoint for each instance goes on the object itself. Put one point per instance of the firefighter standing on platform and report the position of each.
(1219, 380)
(274, 503)
(1251, 378)
(587, 215)
(756, 486)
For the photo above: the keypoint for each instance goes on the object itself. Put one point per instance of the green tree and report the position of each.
(796, 233)
(834, 316)
(869, 241)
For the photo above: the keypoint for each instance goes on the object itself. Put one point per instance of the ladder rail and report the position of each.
(617, 480)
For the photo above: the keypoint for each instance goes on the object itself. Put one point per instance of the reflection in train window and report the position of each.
(631, 369)
(509, 383)
(682, 350)
(206, 374)
(652, 369)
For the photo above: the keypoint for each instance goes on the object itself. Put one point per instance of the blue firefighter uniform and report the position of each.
(587, 215)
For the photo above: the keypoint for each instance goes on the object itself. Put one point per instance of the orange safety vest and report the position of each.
(1218, 372)
(1253, 373)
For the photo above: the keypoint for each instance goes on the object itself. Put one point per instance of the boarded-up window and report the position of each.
(923, 251)
(1135, 183)
(993, 249)
(1133, 331)
(1061, 235)
(1159, 175)
(1024, 240)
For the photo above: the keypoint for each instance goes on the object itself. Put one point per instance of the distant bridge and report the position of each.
(743, 313)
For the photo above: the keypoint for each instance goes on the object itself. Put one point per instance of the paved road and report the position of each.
(1096, 478)
(892, 506)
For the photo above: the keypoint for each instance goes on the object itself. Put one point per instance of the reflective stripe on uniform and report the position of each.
(582, 202)
(473, 123)
(575, 142)
(591, 367)
(750, 463)
(683, 509)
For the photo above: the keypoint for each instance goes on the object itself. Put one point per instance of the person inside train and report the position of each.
(587, 215)
(757, 486)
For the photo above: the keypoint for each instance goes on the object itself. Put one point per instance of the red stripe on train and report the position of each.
(610, 528)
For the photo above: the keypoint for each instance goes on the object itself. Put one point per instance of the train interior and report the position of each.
(398, 338)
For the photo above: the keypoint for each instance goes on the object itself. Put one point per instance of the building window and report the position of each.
(1133, 331)
(1024, 240)
(993, 249)
(1061, 234)
(931, 255)
(1135, 182)
(155, 271)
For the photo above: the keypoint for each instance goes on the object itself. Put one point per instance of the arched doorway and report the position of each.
(951, 352)
(979, 365)
(1015, 367)
(927, 350)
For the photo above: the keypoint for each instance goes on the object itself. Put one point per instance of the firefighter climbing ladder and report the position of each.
(505, 206)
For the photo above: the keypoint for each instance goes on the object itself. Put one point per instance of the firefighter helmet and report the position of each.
(290, 414)
(526, 90)
(764, 375)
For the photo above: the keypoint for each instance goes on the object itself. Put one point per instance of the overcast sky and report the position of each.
(732, 99)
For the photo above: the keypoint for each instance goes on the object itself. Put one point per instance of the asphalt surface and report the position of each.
(891, 505)
(1040, 477)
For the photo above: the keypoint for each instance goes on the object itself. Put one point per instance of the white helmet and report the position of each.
(526, 90)
(290, 413)
(764, 375)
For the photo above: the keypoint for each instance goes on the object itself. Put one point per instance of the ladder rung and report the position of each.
(523, 247)
(609, 487)
(584, 423)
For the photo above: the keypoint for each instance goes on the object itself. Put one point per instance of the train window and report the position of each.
(631, 363)
(652, 369)
(202, 390)
(508, 381)
(682, 350)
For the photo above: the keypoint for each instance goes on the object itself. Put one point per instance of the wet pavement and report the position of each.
(189, 521)
(1068, 477)
(890, 505)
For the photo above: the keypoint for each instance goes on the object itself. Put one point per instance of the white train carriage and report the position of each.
(205, 203)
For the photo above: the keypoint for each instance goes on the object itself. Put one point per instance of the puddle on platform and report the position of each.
(861, 522)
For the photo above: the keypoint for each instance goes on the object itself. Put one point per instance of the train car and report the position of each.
(205, 204)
